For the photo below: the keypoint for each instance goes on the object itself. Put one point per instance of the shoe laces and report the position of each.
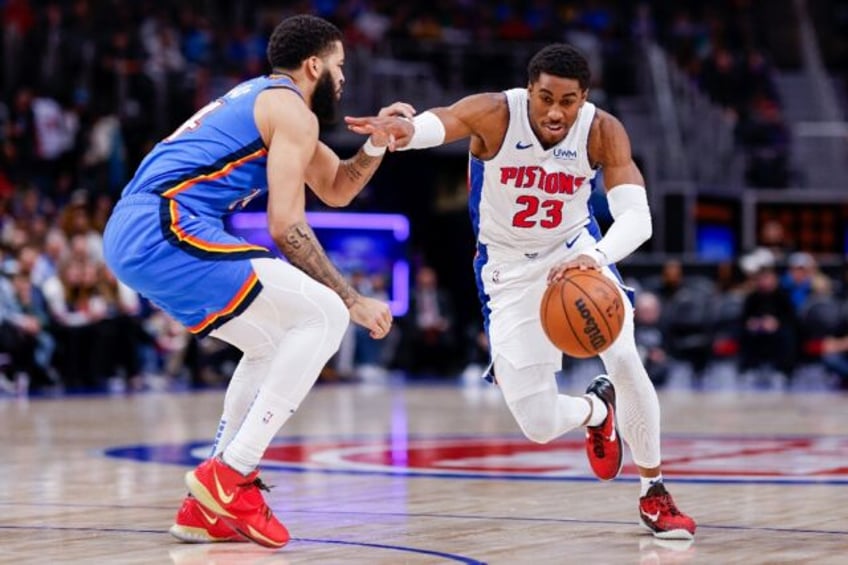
(598, 440)
(257, 482)
(664, 501)
(260, 485)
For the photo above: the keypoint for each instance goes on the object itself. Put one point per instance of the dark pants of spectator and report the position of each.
(428, 352)
(837, 363)
(86, 356)
(21, 347)
(775, 350)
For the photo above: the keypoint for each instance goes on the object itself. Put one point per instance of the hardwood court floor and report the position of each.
(425, 474)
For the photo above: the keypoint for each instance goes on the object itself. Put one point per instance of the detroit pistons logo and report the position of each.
(696, 459)
(554, 182)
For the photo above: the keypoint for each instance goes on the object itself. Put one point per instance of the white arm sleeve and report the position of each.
(429, 132)
(628, 204)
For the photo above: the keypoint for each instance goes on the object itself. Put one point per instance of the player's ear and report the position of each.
(314, 66)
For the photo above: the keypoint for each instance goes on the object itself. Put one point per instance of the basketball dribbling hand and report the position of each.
(582, 262)
(372, 315)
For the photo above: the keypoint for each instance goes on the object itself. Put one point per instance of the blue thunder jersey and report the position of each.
(166, 236)
(215, 162)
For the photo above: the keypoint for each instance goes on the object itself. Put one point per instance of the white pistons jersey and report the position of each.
(527, 200)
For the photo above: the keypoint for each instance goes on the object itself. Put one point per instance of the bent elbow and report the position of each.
(338, 201)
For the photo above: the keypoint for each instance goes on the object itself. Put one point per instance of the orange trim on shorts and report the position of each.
(231, 306)
(223, 171)
(202, 244)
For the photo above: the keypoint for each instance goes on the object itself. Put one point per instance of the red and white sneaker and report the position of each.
(195, 524)
(660, 515)
(238, 500)
(603, 443)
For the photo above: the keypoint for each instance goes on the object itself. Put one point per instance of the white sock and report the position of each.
(241, 391)
(648, 482)
(599, 411)
(266, 416)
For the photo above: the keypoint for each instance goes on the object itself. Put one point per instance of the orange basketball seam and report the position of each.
(612, 288)
(615, 288)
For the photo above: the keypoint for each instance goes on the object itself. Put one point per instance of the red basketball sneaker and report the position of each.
(660, 515)
(195, 524)
(238, 500)
(603, 444)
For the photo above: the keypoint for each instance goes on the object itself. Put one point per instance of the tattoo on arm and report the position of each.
(360, 168)
(304, 251)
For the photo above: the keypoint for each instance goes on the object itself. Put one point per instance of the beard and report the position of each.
(325, 104)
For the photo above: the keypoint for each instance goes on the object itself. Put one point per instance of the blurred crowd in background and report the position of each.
(88, 86)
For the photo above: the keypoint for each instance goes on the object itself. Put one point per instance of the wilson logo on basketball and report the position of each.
(582, 313)
(590, 328)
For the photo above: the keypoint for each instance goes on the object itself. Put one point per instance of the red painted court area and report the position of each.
(814, 459)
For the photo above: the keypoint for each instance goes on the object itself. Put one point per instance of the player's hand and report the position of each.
(582, 262)
(397, 109)
(389, 130)
(372, 315)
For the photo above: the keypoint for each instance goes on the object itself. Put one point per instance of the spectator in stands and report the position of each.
(428, 332)
(769, 322)
(671, 280)
(23, 329)
(773, 237)
(803, 279)
(835, 353)
(763, 132)
(650, 337)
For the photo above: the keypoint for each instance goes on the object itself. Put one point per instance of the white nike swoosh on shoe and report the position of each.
(211, 518)
(222, 494)
(612, 435)
(651, 517)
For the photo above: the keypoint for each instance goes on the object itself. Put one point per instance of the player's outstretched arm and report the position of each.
(465, 118)
(337, 182)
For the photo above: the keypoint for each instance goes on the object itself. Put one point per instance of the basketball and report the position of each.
(582, 313)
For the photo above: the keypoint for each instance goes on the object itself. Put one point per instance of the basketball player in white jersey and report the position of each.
(533, 152)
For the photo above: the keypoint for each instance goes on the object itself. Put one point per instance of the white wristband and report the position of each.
(372, 150)
(429, 132)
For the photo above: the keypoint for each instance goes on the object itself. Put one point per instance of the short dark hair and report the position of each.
(297, 38)
(561, 60)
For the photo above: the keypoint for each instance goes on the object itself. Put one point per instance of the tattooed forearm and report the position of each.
(360, 168)
(302, 248)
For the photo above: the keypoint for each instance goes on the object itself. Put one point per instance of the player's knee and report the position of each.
(534, 416)
(335, 316)
(538, 432)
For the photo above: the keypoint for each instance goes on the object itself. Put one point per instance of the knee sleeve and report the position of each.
(289, 301)
(637, 405)
(535, 416)
(532, 396)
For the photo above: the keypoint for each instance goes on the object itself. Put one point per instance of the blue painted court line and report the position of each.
(401, 548)
(464, 517)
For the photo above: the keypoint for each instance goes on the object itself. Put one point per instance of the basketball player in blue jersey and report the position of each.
(532, 154)
(166, 239)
